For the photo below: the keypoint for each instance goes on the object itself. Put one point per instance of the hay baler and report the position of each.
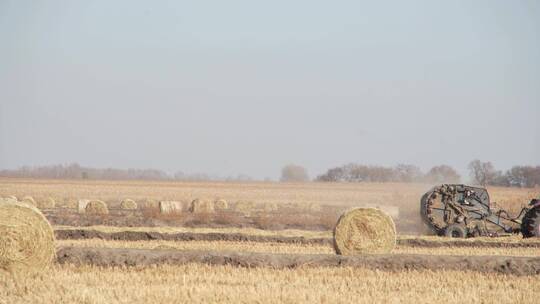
(456, 210)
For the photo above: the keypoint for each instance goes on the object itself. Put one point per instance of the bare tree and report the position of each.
(442, 174)
(407, 173)
(294, 173)
(482, 173)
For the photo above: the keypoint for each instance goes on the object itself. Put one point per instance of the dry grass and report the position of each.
(292, 233)
(202, 245)
(248, 231)
(226, 284)
(290, 248)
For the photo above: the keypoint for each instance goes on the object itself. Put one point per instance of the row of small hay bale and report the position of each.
(196, 206)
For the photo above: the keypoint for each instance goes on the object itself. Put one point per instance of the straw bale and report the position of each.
(96, 207)
(26, 237)
(168, 207)
(221, 204)
(201, 206)
(128, 204)
(364, 231)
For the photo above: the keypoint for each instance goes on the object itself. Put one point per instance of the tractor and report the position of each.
(460, 211)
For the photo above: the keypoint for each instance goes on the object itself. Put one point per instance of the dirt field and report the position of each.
(281, 256)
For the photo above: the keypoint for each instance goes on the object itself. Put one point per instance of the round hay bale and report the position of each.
(221, 204)
(26, 237)
(47, 203)
(96, 207)
(364, 231)
(150, 203)
(128, 204)
(30, 200)
(244, 207)
(169, 207)
(201, 206)
(81, 205)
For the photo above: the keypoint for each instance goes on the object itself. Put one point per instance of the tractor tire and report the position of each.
(530, 224)
(456, 231)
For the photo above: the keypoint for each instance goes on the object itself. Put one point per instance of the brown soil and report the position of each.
(388, 262)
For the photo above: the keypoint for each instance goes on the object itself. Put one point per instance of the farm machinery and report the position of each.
(456, 210)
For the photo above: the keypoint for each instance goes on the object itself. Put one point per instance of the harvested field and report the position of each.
(288, 244)
(279, 236)
(280, 247)
(229, 230)
(240, 246)
(111, 257)
(198, 283)
(186, 236)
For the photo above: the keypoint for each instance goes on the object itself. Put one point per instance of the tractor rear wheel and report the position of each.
(530, 224)
(456, 231)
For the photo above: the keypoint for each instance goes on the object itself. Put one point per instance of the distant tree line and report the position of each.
(76, 171)
(481, 173)
(484, 173)
(400, 173)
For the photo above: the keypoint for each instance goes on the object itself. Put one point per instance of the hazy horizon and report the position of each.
(237, 87)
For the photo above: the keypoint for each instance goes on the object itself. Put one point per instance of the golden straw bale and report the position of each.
(128, 204)
(13, 197)
(81, 205)
(364, 231)
(221, 204)
(168, 207)
(96, 207)
(244, 207)
(26, 237)
(201, 206)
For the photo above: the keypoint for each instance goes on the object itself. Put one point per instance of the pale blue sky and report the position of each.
(230, 87)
